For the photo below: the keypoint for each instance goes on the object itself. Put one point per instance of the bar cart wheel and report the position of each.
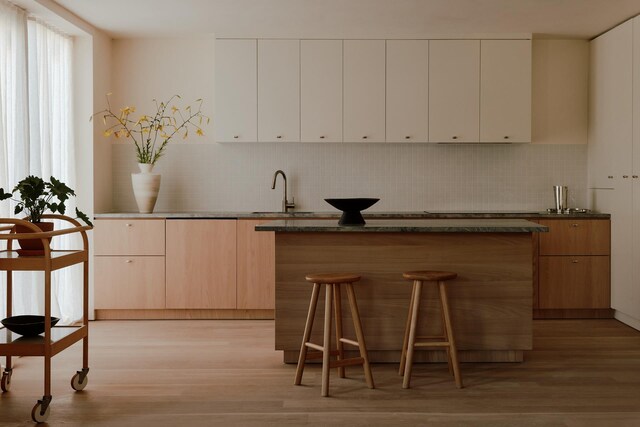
(5, 383)
(80, 380)
(40, 413)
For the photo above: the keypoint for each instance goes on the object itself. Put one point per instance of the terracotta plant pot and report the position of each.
(32, 247)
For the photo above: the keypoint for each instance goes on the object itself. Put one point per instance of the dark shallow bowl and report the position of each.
(27, 325)
(351, 208)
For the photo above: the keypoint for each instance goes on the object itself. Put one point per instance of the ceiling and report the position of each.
(582, 19)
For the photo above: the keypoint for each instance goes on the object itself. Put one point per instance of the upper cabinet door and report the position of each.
(505, 91)
(454, 90)
(321, 90)
(407, 90)
(236, 91)
(364, 91)
(278, 90)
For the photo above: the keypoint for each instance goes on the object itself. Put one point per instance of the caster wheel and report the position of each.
(5, 383)
(37, 415)
(76, 384)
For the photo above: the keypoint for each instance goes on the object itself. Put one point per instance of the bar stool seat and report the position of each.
(332, 282)
(446, 340)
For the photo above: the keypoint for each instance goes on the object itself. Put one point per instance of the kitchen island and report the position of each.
(491, 301)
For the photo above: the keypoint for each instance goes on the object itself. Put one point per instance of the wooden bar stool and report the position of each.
(333, 296)
(445, 340)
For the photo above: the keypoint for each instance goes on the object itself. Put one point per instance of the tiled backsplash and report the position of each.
(237, 177)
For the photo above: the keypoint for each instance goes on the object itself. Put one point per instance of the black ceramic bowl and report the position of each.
(27, 325)
(351, 208)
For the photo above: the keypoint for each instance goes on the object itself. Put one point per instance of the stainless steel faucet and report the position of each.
(286, 205)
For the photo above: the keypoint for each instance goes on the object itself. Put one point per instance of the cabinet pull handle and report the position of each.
(407, 137)
(321, 136)
(506, 137)
(279, 136)
(625, 176)
(129, 224)
(574, 225)
(454, 137)
(610, 176)
(235, 137)
(128, 261)
(634, 176)
(575, 261)
(364, 137)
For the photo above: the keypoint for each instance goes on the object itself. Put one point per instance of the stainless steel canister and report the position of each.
(560, 197)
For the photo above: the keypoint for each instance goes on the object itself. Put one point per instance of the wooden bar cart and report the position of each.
(55, 339)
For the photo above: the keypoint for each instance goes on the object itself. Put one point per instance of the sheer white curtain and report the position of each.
(37, 139)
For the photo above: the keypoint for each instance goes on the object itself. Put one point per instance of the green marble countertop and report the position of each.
(467, 225)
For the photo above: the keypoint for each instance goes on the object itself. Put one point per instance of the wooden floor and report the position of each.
(225, 372)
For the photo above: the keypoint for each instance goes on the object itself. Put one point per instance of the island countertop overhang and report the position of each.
(469, 225)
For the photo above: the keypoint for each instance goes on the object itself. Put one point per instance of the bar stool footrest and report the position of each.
(350, 342)
(347, 362)
(318, 354)
(432, 344)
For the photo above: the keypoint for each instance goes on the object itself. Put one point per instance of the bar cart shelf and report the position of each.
(54, 339)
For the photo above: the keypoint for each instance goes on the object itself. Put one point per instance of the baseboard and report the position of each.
(574, 313)
(627, 320)
(178, 314)
(431, 356)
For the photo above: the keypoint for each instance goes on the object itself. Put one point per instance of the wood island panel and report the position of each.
(491, 300)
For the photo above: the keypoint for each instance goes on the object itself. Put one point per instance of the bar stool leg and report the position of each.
(417, 288)
(452, 344)
(337, 301)
(326, 343)
(403, 356)
(445, 335)
(357, 325)
(307, 332)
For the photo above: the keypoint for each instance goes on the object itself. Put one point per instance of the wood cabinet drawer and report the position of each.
(129, 282)
(129, 237)
(575, 237)
(574, 282)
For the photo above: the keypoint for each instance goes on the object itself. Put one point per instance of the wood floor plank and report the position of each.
(225, 372)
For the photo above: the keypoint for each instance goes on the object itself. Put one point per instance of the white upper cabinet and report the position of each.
(278, 90)
(505, 91)
(454, 90)
(236, 91)
(364, 91)
(407, 90)
(321, 90)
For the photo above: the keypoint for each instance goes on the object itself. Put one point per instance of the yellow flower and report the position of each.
(199, 132)
(174, 109)
(128, 110)
(108, 133)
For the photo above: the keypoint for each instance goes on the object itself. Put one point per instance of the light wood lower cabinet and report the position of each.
(201, 264)
(574, 265)
(129, 282)
(256, 266)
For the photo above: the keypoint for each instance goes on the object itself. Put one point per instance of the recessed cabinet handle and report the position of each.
(506, 137)
(364, 137)
(321, 136)
(128, 261)
(279, 136)
(634, 176)
(407, 137)
(574, 225)
(235, 137)
(129, 224)
(610, 176)
(454, 137)
(575, 261)
(625, 176)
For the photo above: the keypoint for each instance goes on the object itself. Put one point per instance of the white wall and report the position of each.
(204, 176)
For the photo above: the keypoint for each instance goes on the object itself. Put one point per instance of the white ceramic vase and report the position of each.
(145, 187)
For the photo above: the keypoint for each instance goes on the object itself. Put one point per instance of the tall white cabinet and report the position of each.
(278, 90)
(321, 90)
(236, 90)
(407, 91)
(364, 90)
(454, 90)
(505, 91)
(614, 157)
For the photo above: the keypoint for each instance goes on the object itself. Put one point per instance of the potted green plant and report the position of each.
(36, 197)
